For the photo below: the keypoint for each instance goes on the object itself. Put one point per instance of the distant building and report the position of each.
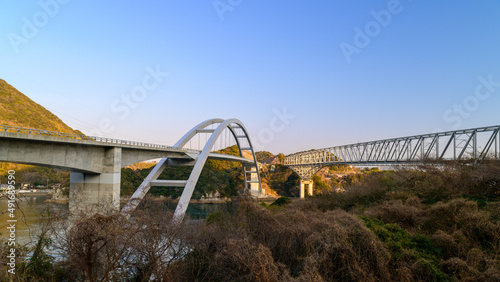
(26, 186)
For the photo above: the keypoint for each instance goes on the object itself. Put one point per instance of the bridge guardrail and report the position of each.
(31, 131)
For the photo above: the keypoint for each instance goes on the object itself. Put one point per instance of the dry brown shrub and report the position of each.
(346, 250)
(373, 189)
(492, 273)
(402, 273)
(95, 246)
(435, 183)
(335, 244)
(257, 244)
(159, 241)
(464, 216)
(487, 265)
(218, 256)
(241, 260)
(430, 182)
(408, 214)
(494, 209)
(478, 260)
(309, 275)
(459, 269)
(482, 180)
(111, 247)
(446, 243)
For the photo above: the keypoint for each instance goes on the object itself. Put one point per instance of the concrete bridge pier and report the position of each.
(90, 192)
(306, 184)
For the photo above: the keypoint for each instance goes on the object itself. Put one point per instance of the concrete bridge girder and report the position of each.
(75, 155)
(95, 167)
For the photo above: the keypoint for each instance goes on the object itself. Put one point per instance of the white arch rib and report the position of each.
(200, 161)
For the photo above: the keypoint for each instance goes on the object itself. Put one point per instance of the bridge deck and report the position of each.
(64, 150)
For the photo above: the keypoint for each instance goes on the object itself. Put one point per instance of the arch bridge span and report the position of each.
(215, 128)
(467, 145)
(95, 163)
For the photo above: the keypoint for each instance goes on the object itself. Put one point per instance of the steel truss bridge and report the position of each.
(475, 144)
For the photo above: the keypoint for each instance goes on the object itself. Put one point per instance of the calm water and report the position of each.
(31, 208)
(29, 215)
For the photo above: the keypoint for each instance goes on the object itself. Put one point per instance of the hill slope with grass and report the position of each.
(17, 109)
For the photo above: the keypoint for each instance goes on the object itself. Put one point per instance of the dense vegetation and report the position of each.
(222, 176)
(35, 175)
(268, 158)
(226, 180)
(282, 180)
(426, 224)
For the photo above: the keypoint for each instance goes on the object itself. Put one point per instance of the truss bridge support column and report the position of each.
(306, 184)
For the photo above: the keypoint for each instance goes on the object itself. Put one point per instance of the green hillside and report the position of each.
(17, 109)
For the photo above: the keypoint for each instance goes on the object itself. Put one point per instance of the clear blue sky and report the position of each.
(347, 71)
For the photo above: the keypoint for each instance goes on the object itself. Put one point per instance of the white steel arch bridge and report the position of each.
(467, 145)
(95, 163)
(215, 128)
